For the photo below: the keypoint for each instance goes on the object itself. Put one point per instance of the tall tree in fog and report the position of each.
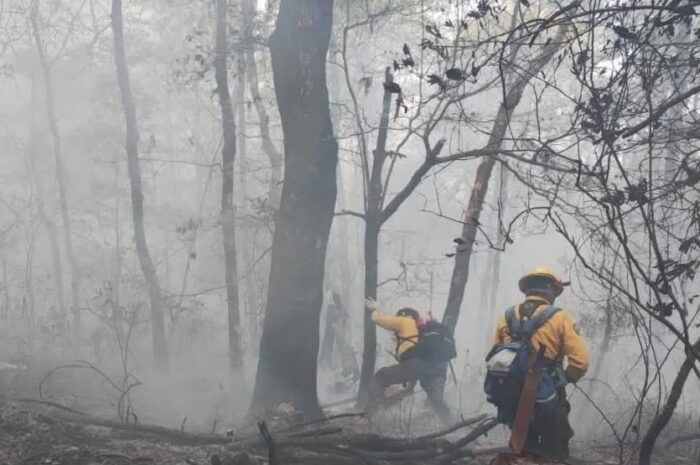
(248, 254)
(44, 218)
(61, 176)
(290, 338)
(513, 93)
(160, 346)
(228, 209)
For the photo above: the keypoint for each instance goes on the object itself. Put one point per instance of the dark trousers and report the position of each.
(550, 432)
(432, 379)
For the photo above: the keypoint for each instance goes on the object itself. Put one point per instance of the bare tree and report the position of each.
(290, 340)
(512, 97)
(61, 176)
(248, 77)
(228, 208)
(33, 164)
(437, 108)
(160, 346)
(605, 179)
(269, 148)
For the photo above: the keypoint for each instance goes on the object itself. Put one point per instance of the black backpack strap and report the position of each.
(400, 340)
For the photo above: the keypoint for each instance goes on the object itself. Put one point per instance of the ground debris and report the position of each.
(36, 438)
(43, 437)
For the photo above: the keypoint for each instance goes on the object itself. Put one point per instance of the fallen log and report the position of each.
(325, 444)
(171, 435)
(46, 403)
(682, 438)
(366, 441)
(459, 451)
(335, 446)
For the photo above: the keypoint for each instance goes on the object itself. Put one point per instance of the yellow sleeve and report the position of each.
(574, 349)
(391, 323)
(499, 334)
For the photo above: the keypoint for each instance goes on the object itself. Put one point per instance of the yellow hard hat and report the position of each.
(542, 272)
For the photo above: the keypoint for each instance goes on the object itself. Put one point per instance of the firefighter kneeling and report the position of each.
(525, 367)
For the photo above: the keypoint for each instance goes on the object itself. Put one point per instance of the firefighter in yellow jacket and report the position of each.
(408, 369)
(550, 432)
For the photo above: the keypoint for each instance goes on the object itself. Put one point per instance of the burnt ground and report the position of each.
(33, 437)
(42, 435)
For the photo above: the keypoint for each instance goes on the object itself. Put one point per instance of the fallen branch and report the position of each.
(317, 432)
(335, 446)
(459, 452)
(457, 426)
(126, 458)
(321, 420)
(682, 438)
(171, 435)
(48, 404)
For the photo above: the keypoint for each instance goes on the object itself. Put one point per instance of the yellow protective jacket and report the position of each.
(558, 335)
(404, 327)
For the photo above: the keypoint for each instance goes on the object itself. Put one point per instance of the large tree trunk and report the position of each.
(160, 347)
(228, 208)
(60, 167)
(460, 272)
(373, 224)
(663, 417)
(41, 210)
(289, 345)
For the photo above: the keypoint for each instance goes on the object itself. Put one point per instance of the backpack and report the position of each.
(436, 343)
(506, 365)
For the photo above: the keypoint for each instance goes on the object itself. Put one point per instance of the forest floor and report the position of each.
(35, 434)
(34, 437)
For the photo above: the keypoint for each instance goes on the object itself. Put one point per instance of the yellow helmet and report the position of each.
(541, 272)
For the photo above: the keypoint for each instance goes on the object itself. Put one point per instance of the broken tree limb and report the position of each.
(171, 435)
(47, 404)
(682, 438)
(336, 446)
(374, 442)
(459, 452)
(317, 432)
(321, 420)
(457, 426)
(370, 442)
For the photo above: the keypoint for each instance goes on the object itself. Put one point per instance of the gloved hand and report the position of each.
(573, 374)
(371, 305)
